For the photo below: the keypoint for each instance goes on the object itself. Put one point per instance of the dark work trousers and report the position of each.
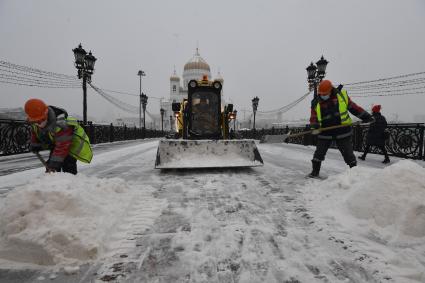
(381, 147)
(344, 145)
(69, 165)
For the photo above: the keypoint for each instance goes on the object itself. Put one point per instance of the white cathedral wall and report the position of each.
(194, 74)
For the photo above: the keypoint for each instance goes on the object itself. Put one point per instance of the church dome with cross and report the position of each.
(195, 69)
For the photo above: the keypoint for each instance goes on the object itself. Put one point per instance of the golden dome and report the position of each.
(174, 77)
(197, 63)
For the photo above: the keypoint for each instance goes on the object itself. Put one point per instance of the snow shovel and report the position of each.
(275, 138)
(41, 159)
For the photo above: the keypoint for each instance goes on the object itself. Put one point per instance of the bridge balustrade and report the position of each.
(15, 135)
(406, 140)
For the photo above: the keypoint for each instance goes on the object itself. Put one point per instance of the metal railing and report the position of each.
(405, 140)
(15, 135)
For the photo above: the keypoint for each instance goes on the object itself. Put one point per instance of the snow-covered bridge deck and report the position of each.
(120, 220)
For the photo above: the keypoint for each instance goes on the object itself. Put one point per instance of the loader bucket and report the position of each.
(184, 154)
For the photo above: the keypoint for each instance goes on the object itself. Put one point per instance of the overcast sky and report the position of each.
(260, 47)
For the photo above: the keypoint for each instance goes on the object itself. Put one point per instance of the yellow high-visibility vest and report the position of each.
(80, 145)
(343, 109)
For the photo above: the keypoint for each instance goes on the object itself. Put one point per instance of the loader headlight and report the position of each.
(192, 83)
(217, 85)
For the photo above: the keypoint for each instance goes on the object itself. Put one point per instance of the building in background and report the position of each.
(194, 69)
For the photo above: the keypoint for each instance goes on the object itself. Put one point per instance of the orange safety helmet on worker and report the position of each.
(325, 87)
(62, 135)
(36, 110)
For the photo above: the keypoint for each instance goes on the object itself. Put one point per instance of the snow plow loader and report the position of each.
(203, 138)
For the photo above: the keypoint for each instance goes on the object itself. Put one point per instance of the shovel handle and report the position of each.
(41, 158)
(322, 130)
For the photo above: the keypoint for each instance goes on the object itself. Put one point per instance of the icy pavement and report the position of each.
(120, 220)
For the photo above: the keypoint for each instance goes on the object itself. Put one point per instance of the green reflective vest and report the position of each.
(343, 109)
(80, 147)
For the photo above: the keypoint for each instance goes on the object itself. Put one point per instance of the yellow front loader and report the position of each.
(203, 133)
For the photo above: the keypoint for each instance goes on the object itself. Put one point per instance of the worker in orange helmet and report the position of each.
(52, 129)
(377, 134)
(330, 108)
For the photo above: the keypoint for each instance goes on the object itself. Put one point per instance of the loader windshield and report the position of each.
(205, 113)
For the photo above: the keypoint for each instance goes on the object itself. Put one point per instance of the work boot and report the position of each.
(354, 164)
(362, 157)
(316, 168)
(386, 160)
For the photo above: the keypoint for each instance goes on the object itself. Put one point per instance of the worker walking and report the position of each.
(52, 129)
(377, 135)
(330, 108)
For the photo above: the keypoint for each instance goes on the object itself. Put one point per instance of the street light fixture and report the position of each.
(321, 67)
(140, 74)
(254, 107)
(316, 73)
(162, 119)
(85, 65)
(144, 100)
(235, 112)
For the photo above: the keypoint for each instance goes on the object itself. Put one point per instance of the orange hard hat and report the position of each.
(325, 87)
(36, 110)
(376, 108)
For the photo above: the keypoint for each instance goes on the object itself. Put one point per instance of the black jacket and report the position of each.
(376, 136)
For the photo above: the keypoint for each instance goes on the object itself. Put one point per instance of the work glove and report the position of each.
(315, 132)
(35, 148)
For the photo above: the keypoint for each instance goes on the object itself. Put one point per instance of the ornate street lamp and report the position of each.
(144, 100)
(162, 119)
(321, 67)
(140, 74)
(311, 75)
(254, 107)
(85, 65)
(316, 73)
(171, 123)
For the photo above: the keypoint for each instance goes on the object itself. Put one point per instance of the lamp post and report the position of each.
(85, 65)
(316, 73)
(144, 101)
(162, 119)
(235, 112)
(254, 107)
(140, 74)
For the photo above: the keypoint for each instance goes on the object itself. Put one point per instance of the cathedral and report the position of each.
(194, 69)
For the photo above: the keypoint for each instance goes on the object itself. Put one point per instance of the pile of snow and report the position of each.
(61, 218)
(389, 202)
(381, 210)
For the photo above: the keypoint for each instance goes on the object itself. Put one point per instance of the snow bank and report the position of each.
(61, 218)
(388, 203)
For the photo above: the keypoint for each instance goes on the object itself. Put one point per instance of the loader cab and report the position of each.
(203, 110)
